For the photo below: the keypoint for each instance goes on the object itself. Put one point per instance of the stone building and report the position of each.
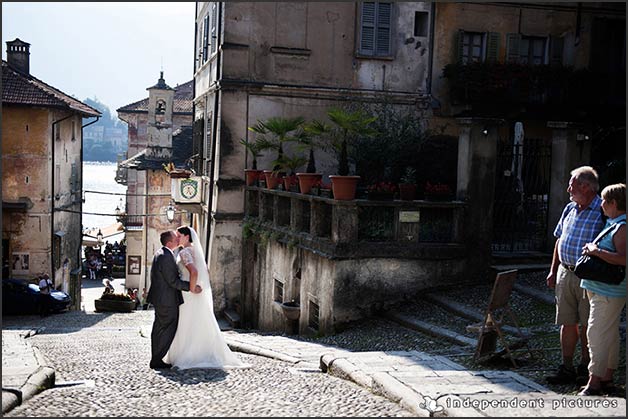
(544, 86)
(259, 60)
(160, 132)
(42, 134)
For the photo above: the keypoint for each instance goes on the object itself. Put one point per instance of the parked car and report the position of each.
(22, 297)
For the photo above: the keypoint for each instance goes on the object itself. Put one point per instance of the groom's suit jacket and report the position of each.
(165, 280)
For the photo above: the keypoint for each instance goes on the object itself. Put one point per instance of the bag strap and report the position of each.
(612, 228)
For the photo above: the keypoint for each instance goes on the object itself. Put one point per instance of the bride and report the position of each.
(198, 342)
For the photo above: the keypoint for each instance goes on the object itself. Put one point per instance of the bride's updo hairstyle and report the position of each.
(185, 231)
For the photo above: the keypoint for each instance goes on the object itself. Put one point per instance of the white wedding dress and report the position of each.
(198, 342)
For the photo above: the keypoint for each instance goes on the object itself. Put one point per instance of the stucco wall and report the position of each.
(322, 37)
(27, 172)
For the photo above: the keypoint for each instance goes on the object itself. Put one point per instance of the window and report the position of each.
(533, 50)
(477, 47)
(420, 23)
(375, 29)
(313, 318)
(278, 291)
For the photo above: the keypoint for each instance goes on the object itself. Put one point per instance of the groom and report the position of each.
(165, 295)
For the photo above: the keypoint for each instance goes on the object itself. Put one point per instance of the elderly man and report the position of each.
(579, 224)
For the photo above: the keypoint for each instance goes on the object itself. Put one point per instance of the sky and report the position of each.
(108, 51)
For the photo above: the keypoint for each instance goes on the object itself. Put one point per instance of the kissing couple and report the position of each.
(185, 331)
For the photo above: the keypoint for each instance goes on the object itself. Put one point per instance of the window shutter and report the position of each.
(367, 32)
(383, 29)
(459, 45)
(205, 37)
(214, 40)
(197, 144)
(556, 50)
(512, 47)
(492, 46)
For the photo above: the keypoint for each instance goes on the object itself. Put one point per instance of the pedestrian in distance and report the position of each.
(580, 222)
(45, 287)
(165, 296)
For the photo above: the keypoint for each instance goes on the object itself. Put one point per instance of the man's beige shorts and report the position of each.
(572, 304)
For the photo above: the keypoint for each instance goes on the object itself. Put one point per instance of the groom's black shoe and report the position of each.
(160, 365)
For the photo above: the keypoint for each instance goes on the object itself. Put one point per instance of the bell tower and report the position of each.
(159, 129)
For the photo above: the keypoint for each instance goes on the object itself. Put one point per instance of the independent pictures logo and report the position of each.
(431, 405)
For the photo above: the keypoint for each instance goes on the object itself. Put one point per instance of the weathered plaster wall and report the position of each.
(343, 290)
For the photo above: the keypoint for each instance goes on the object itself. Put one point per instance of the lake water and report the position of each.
(100, 177)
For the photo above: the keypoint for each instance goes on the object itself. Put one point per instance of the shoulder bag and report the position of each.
(595, 269)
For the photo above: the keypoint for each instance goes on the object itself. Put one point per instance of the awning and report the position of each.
(130, 162)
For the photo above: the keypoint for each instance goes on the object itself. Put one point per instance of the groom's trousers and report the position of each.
(164, 329)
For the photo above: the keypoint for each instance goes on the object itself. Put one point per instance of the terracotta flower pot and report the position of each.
(307, 180)
(252, 175)
(407, 191)
(344, 187)
(272, 180)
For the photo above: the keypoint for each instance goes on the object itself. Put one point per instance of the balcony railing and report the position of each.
(132, 222)
(358, 228)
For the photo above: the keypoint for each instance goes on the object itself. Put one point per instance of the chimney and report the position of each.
(18, 55)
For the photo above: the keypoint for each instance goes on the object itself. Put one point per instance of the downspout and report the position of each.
(194, 79)
(52, 199)
(215, 123)
(431, 46)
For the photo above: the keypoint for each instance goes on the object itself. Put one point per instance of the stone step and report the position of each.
(522, 267)
(232, 317)
(467, 312)
(413, 323)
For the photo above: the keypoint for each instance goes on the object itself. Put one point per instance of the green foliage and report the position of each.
(274, 132)
(116, 297)
(348, 127)
(290, 164)
(409, 175)
(397, 144)
(254, 148)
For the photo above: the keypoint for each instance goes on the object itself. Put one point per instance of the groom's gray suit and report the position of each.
(165, 295)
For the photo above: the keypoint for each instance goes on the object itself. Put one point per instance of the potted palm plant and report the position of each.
(254, 149)
(290, 165)
(272, 134)
(307, 139)
(348, 126)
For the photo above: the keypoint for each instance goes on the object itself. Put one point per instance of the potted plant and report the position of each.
(437, 191)
(348, 126)
(114, 302)
(407, 185)
(278, 128)
(307, 139)
(381, 191)
(254, 149)
(290, 165)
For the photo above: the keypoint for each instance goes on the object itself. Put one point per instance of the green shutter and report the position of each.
(512, 47)
(556, 50)
(382, 41)
(214, 35)
(492, 46)
(367, 29)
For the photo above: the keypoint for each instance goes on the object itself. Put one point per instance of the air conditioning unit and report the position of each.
(186, 190)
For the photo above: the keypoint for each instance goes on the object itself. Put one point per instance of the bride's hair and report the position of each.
(185, 231)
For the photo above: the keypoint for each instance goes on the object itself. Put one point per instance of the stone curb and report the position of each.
(256, 350)
(43, 378)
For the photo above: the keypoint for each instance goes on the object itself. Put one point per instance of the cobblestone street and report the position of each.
(101, 363)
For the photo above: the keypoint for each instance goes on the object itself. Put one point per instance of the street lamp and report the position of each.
(170, 212)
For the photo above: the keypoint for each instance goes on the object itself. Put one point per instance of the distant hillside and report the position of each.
(105, 139)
